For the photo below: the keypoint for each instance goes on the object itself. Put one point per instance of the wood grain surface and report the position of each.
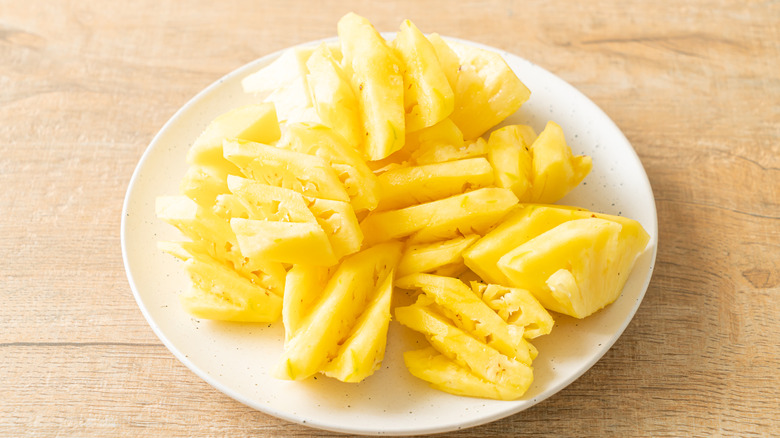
(694, 85)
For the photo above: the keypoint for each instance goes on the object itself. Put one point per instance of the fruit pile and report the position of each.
(366, 170)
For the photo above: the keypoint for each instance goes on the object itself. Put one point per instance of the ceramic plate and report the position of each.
(237, 358)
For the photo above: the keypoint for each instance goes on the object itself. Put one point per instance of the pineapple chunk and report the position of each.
(509, 152)
(340, 224)
(486, 90)
(405, 186)
(284, 242)
(435, 257)
(377, 79)
(517, 307)
(306, 174)
(270, 203)
(332, 319)
(555, 170)
(333, 97)
(255, 122)
(204, 183)
(218, 292)
(360, 183)
(302, 288)
(362, 353)
(469, 213)
(445, 375)
(578, 267)
(466, 309)
(428, 97)
(483, 360)
(284, 82)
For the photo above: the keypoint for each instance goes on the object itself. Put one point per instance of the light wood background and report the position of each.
(694, 85)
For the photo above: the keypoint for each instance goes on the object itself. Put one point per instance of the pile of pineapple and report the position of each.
(364, 173)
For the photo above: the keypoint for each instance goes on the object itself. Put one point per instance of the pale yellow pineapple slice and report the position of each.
(220, 293)
(203, 183)
(428, 97)
(555, 170)
(256, 122)
(517, 307)
(303, 286)
(470, 313)
(445, 375)
(333, 97)
(408, 185)
(377, 78)
(359, 181)
(266, 202)
(435, 257)
(362, 353)
(486, 89)
(283, 83)
(340, 224)
(306, 174)
(509, 152)
(284, 242)
(468, 213)
(331, 320)
(483, 360)
(576, 268)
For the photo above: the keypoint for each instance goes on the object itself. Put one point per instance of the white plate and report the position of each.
(237, 358)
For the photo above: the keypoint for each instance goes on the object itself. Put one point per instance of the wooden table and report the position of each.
(695, 86)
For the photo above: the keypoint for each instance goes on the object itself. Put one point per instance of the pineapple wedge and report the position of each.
(331, 321)
(555, 170)
(517, 307)
(377, 79)
(509, 152)
(483, 360)
(340, 224)
(410, 185)
(469, 213)
(306, 174)
(446, 375)
(435, 257)
(428, 97)
(469, 313)
(284, 242)
(362, 353)
(486, 90)
(578, 267)
(333, 97)
(302, 288)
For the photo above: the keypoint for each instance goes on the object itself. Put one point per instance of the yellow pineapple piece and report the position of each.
(469, 313)
(577, 267)
(377, 79)
(486, 90)
(306, 174)
(340, 224)
(405, 186)
(362, 353)
(446, 375)
(517, 307)
(284, 242)
(266, 202)
(359, 181)
(220, 293)
(303, 286)
(203, 183)
(330, 322)
(482, 360)
(555, 170)
(256, 122)
(428, 97)
(333, 97)
(435, 257)
(509, 152)
(468, 213)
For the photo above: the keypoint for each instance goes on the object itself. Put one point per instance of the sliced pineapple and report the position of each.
(331, 321)
(410, 185)
(428, 97)
(576, 268)
(555, 170)
(517, 307)
(377, 79)
(284, 242)
(437, 257)
(468, 213)
(509, 152)
(302, 288)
